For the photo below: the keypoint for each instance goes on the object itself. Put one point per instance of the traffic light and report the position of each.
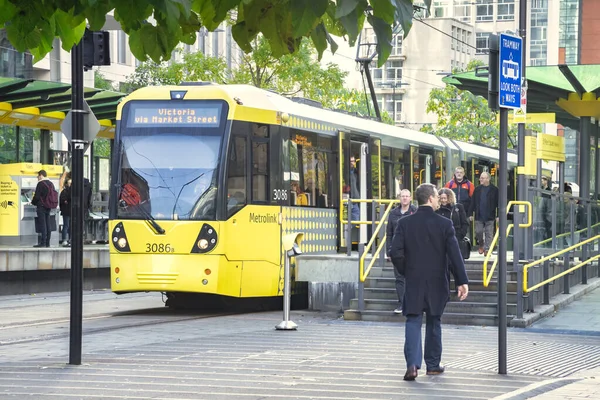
(96, 48)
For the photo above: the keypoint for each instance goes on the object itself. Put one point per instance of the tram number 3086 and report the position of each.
(159, 248)
(280, 194)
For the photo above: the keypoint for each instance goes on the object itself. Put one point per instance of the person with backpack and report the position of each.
(45, 199)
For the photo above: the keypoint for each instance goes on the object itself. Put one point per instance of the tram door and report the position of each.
(366, 154)
(426, 165)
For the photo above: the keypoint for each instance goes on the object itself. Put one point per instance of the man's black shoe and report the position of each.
(411, 373)
(39, 245)
(436, 370)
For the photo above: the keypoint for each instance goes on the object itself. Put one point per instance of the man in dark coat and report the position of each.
(423, 243)
(403, 210)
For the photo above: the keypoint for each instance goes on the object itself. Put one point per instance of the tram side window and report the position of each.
(236, 175)
(311, 181)
(260, 163)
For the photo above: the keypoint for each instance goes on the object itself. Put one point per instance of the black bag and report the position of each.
(465, 248)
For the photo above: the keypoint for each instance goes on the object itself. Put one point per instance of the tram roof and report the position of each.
(392, 135)
(43, 104)
(566, 90)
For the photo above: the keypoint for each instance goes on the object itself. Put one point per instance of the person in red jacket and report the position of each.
(462, 187)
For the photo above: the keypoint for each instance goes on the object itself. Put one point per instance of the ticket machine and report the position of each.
(17, 215)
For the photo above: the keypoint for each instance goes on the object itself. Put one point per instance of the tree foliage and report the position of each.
(464, 116)
(155, 28)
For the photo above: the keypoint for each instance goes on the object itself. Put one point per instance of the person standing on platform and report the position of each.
(404, 209)
(422, 246)
(45, 199)
(354, 189)
(462, 187)
(485, 208)
(65, 211)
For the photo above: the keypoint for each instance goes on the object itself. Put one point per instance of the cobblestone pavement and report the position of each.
(133, 348)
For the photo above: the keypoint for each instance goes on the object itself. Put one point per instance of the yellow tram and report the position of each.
(206, 179)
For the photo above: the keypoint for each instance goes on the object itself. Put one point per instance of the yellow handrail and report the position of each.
(381, 201)
(363, 274)
(488, 277)
(564, 234)
(558, 253)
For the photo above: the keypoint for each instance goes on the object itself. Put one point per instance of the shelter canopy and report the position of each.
(44, 105)
(569, 91)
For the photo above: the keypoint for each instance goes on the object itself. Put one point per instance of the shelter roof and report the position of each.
(44, 105)
(569, 91)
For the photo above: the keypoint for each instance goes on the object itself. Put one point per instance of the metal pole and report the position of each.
(521, 179)
(545, 276)
(597, 177)
(373, 225)
(584, 157)
(76, 206)
(349, 229)
(516, 261)
(502, 194)
(382, 235)
(361, 285)
(394, 101)
(286, 324)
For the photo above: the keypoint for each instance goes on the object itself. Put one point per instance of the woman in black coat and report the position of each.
(450, 209)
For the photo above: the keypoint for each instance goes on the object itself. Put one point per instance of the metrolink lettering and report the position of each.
(263, 219)
(510, 44)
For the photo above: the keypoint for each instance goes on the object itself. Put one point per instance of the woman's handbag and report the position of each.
(465, 248)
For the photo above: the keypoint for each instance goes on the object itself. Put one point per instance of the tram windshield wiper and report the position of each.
(138, 207)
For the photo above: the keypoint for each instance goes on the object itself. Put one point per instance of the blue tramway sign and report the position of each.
(511, 49)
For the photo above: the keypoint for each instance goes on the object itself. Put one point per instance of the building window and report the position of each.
(452, 45)
(485, 10)
(397, 45)
(439, 9)
(482, 42)
(506, 10)
(260, 163)
(121, 47)
(393, 71)
(311, 181)
(236, 175)
(462, 10)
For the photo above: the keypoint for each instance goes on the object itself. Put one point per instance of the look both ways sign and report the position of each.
(511, 50)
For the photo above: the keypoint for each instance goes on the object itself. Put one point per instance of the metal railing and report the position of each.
(526, 267)
(488, 277)
(361, 262)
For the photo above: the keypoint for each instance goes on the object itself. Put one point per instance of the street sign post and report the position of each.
(510, 71)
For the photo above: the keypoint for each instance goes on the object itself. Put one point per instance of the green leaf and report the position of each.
(241, 37)
(7, 11)
(22, 33)
(319, 38)
(306, 14)
(136, 46)
(69, 28)
(384, 9)
(332, 43)
(346, 7)
(353, 24)
(96, 15)
(404, 14)
(207, 13)
(384, 39)
(222, 7)
(132, 14)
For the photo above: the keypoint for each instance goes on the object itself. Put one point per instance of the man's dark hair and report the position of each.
(424, 192)
(43, 173)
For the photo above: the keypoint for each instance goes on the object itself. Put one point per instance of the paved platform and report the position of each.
(135, 348)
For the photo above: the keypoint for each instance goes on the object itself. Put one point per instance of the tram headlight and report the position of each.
(206, 241)
(119, 239)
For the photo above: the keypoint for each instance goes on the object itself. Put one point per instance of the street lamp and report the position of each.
(394, 85)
